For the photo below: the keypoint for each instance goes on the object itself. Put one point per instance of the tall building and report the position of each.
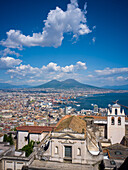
(66, 110)
(115, 124)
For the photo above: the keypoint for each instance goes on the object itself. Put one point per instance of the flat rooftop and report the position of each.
(47, 165)
(4, 147)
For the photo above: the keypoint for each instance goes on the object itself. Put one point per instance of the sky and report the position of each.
(42, 40)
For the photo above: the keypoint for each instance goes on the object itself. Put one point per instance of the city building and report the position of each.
(29, 133)
(115, 155)
(115, 124)
(11, 159)
(72, 142)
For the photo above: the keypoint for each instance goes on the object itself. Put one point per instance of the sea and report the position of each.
(102, 100)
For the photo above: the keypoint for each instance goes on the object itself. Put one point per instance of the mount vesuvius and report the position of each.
(67, 84)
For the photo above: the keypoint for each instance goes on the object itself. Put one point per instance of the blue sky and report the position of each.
(44, 40)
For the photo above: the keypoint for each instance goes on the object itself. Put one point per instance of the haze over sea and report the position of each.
(102, 100)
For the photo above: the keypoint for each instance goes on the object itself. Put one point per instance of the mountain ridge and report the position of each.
(11, 86)
(66, 84)
(121, 87)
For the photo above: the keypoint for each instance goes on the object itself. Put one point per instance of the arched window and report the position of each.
(119, 121)
(112, 121)
(56, 150)
(115, 111)
(78, 151)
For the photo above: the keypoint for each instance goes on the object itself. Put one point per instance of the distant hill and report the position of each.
(10, 86)
(67, 84)
(123, 87)
(50, 84)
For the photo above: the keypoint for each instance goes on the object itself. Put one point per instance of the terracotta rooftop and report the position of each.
(95, 117)
(72, 122)
(65, 117)
(35, 129)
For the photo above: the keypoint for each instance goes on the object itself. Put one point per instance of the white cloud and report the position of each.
(108, 71)
(7, 51)
(80, 65)
(121, 78)
(58, 22)
(9, 62)
(51, 67)
(109, 76)
(90, 76)
(94, 27)
(65, 75)
(94, 39)
(68, 69)
(24, 71)
(72, 68)
(31, 81)
(50, 71)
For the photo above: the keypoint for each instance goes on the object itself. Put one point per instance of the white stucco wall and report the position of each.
(37, 137)
(1, 138)
(21, 139)
(61, 143)
(13, 164)
(115, 132)
(9, 164)
(32, 136)
(84, 158)
(43, 135)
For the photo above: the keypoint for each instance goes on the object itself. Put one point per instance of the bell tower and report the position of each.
(115, 124)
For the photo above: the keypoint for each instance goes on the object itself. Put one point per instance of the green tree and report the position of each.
(15, 129)
(8, 139)
(5, 137)
(38, 142)
(28, 148)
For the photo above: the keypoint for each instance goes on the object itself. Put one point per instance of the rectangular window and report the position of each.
(19, 162)
(9, 162)
(68, 151)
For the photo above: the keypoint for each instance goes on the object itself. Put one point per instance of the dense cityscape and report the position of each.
(44, 111)
(37, 106)
(41, 106)
(63, 85)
